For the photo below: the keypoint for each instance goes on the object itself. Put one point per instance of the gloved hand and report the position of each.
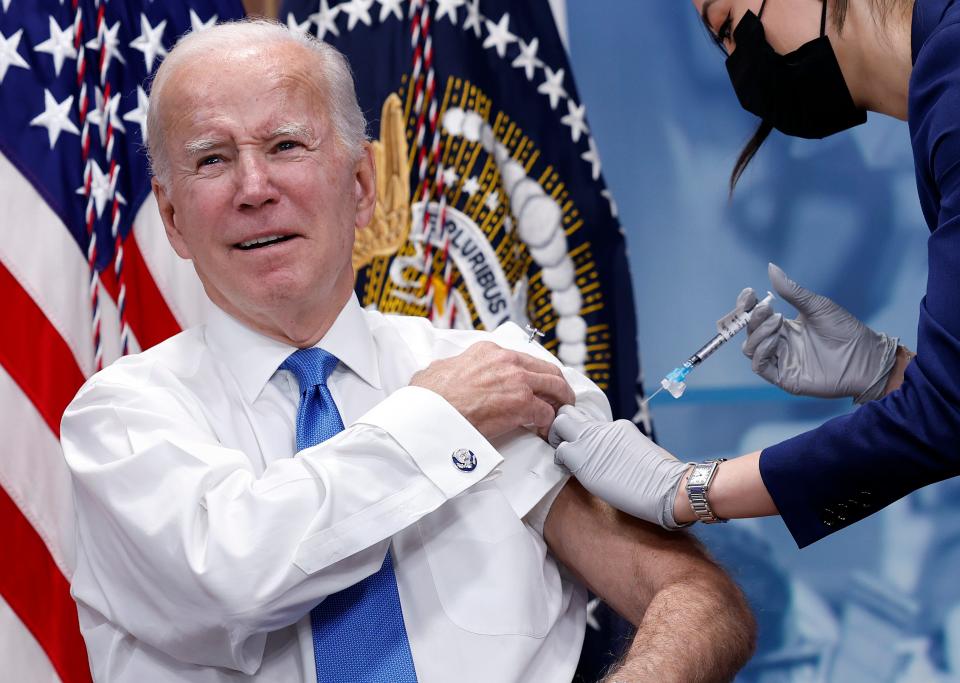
(617, 463)
(824, 351)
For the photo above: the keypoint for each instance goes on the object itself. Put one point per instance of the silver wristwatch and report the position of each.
(698, 483)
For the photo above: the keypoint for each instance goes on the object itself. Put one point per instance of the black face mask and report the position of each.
(802, 93)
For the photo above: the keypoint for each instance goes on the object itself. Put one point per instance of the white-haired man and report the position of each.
(231, 528)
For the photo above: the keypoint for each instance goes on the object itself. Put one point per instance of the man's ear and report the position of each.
(365, 186)
(168, 216)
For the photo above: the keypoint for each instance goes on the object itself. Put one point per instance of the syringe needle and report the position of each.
(647, 399)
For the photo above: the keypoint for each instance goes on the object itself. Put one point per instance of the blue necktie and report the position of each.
(358, 633)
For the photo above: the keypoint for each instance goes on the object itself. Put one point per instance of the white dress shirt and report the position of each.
(203, 543)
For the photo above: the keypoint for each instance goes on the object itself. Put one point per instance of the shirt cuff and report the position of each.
(438, 438)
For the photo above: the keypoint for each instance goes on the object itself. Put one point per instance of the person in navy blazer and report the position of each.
(895, 57)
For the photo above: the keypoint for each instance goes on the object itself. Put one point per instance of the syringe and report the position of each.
(727, 327)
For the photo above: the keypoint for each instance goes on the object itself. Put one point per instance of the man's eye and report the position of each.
(287, 144)
(210, 160)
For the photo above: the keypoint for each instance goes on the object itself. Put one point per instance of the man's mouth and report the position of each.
(261, 242)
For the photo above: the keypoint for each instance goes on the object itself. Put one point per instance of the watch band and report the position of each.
(698, 484)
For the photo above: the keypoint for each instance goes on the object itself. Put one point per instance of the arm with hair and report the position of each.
(694, 625)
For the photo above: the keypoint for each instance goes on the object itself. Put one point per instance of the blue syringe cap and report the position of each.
(674, 381)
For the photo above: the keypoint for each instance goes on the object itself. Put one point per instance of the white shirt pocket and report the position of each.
(490, 569)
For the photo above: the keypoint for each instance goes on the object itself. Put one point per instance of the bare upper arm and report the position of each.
(622, 559)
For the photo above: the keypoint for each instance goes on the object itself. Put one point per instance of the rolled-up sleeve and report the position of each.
(188, 549)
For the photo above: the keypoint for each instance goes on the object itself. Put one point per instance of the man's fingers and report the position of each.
(550, 388)
(533, 364)
(766, 331)
(541, 415)
(521, 389)
(545, 379)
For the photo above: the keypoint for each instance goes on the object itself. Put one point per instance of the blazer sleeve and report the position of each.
(856, 464)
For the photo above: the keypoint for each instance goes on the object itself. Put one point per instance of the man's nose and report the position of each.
(255, 187)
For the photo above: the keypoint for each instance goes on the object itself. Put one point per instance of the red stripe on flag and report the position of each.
(147, 312)
(35, 355)
(35, 589)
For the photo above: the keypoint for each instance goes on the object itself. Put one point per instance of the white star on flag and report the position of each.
(325, 19)
(55, 117)
(106, 113)
(107, 37)
(357, 10)
(99, 187)
(643, 416)
(296, 27)
(473, 17)
(448, 8)
(198, 24)
(388, 7)
(9, 55)
(493, 201)
(552, 87)
(593, 158)
(139, 115)
(606, 194)
(6, 5)
(527, 59)
(59, 45)
(450, 176)
(500, 35)
(149, 42)
(575, 119)
(471, 187)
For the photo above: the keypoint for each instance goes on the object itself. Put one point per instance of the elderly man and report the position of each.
(303, 490)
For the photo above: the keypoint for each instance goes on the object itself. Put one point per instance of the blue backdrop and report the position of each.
(877, 601)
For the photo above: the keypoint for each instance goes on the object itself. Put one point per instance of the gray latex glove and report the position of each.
(824, 351)
(617, 463)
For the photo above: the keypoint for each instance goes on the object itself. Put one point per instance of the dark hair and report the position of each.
(881, 11)
(749, 151)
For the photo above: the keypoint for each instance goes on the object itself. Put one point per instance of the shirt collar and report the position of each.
(253, 358)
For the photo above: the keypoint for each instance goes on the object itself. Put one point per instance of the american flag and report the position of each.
(86, 275)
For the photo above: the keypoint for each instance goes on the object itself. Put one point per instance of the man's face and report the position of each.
(261, 195)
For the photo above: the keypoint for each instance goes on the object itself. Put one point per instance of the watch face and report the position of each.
(698, 478)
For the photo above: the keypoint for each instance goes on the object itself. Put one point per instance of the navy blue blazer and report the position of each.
(856, 464)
